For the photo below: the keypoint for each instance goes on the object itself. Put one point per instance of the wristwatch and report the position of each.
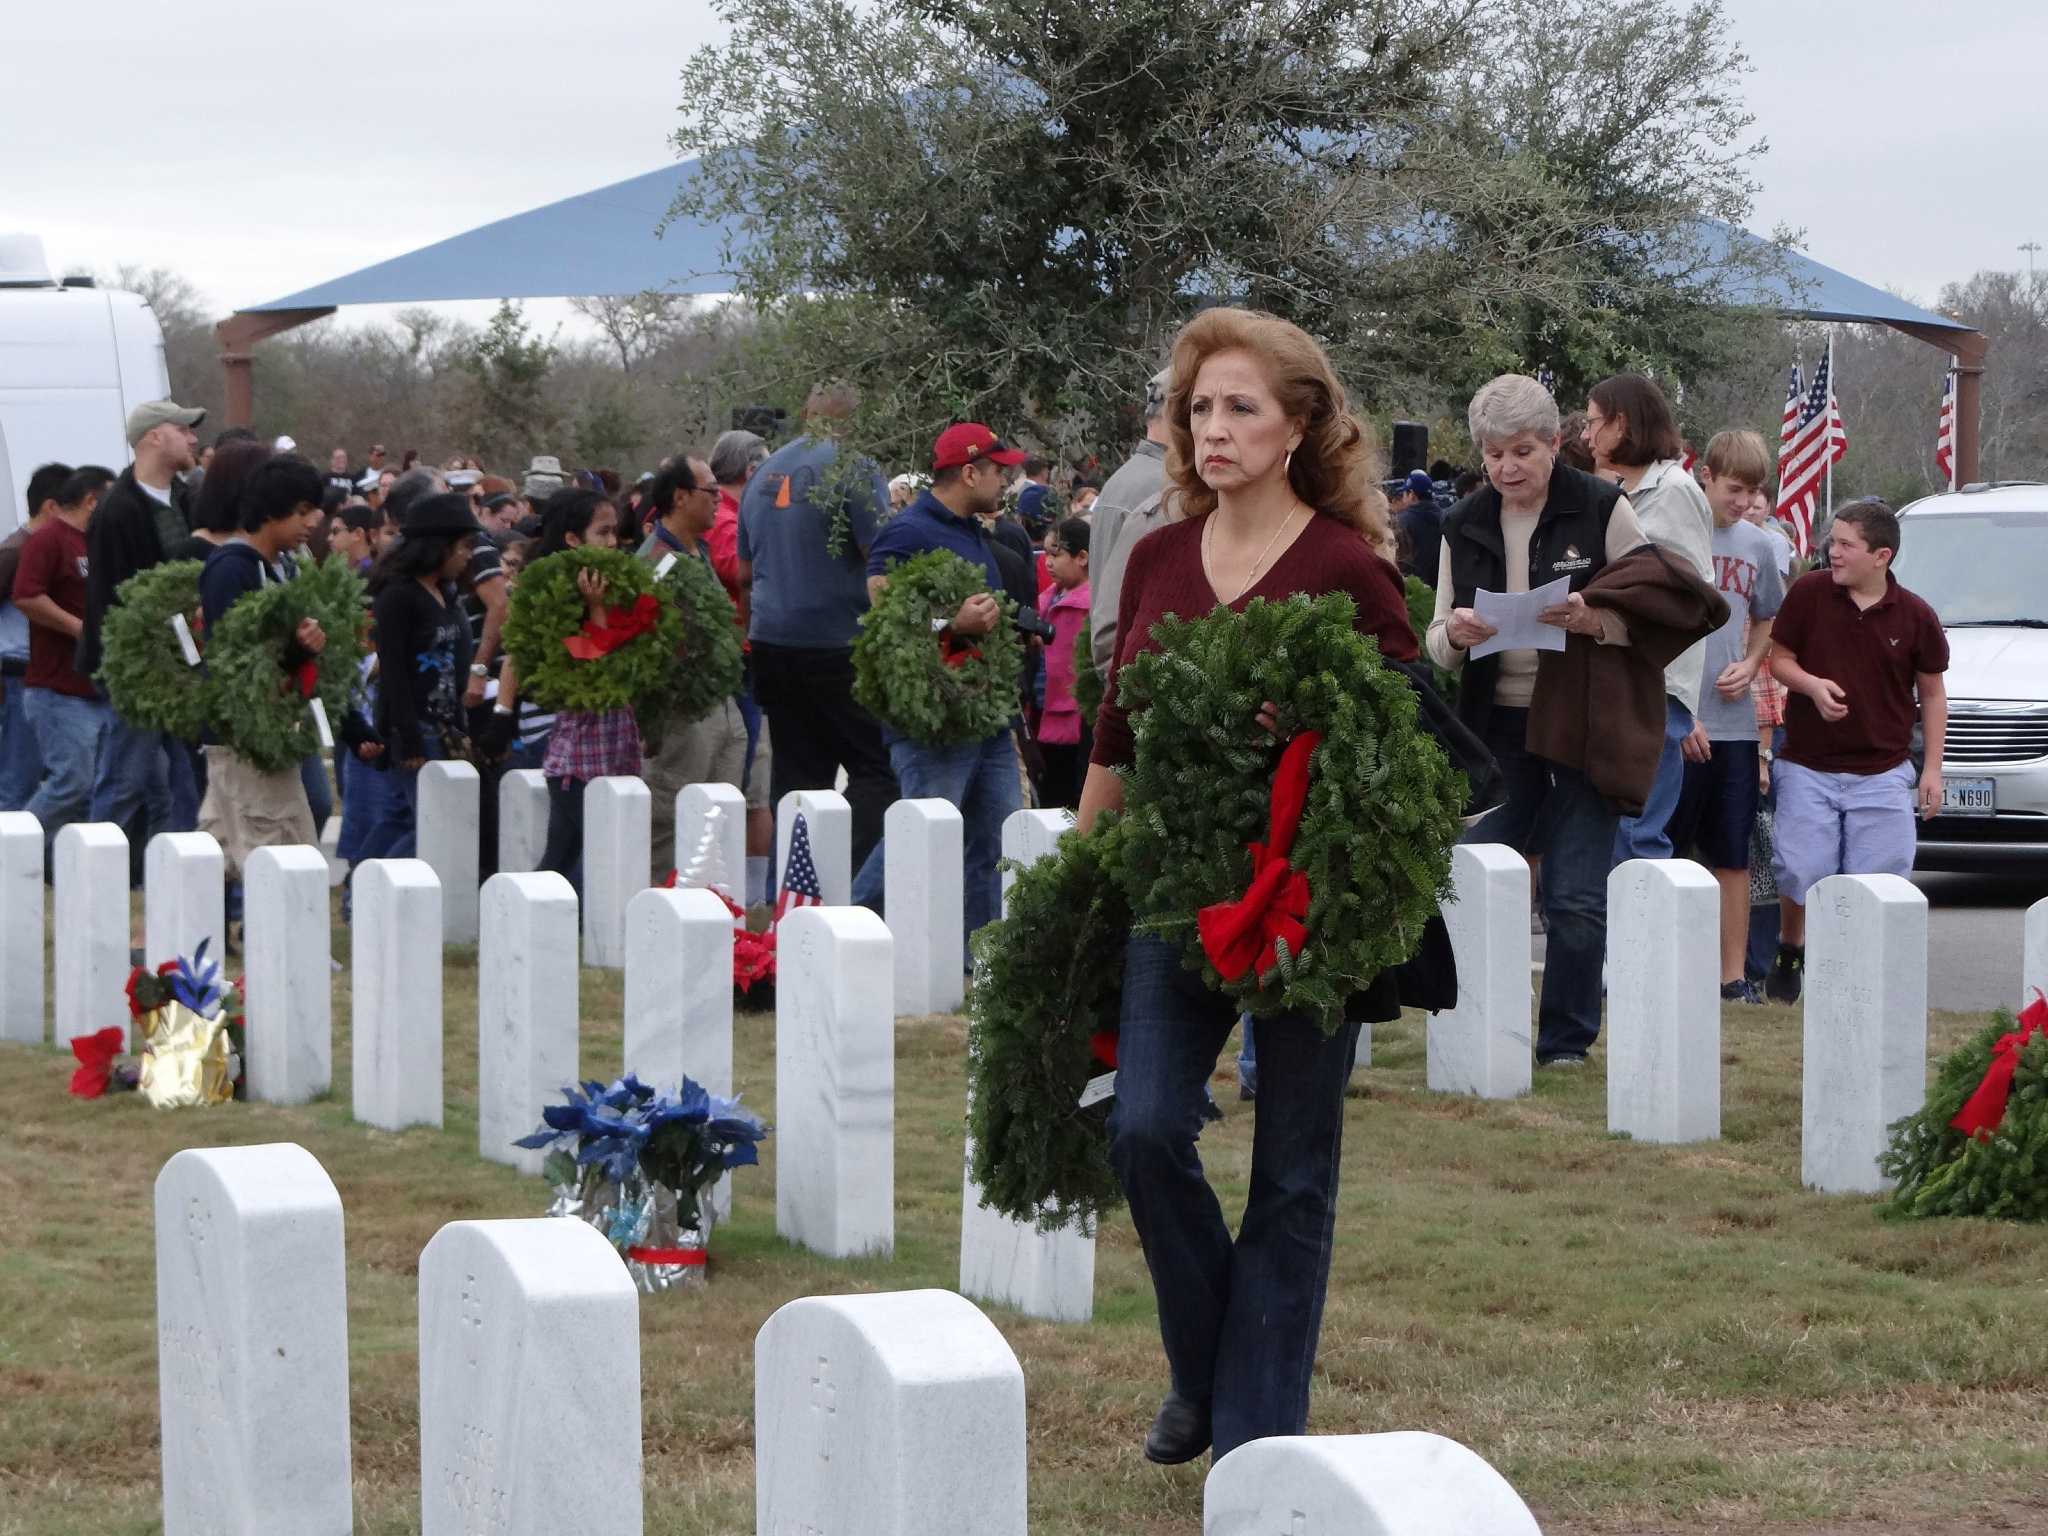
(1765, 754)
(478, 669)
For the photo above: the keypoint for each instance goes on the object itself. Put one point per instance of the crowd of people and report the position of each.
(1705, 697)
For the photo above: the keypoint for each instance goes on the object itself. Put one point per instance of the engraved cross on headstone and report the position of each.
(825, 1405)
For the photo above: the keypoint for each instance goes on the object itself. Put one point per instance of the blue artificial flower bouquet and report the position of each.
(639, 1165)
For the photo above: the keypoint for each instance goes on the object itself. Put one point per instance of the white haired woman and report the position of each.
(1533, 521)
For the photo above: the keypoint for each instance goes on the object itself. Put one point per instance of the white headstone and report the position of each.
(2034, 954)
(1043, 1274)
(184, 897)
(835, 1082)
(252, 1344)
(1401, 1484)
(1029, 836)
(618, 831)
(395, 1031)
(526, 1011)
(695, 804)
(923, 843)
(529, 1382)
(289, 987)
(21, 928)
(448, 819)
(898, 1414)
(330, 847)
(1482, 1046)
(522, 820)
(90, 929)
(1663, 1001)
(1865, 1059)
(829, 821)
(679, 997)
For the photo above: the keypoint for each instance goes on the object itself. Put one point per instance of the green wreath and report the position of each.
(547, 610)
(142, 666)
(919, 679)
(1942, 1172)
(259, 711)
(1380, 814)
(1042, 1021)
(1087, 681)
(708, 670)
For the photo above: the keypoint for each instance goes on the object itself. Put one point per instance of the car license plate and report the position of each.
(1969, 797)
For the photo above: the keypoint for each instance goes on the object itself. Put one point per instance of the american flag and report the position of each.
(800, 875)
(1945, 432)
(1810, 439)
(1547, 379)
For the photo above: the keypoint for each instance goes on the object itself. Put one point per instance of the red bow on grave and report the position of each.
(1982, 1112)
(1238, 935)
(954, 651)
(96, 1055)
(613, 628)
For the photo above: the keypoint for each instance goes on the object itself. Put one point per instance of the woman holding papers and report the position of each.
(1536, 521)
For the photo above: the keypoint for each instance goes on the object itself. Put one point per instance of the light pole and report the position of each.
(2030, 247)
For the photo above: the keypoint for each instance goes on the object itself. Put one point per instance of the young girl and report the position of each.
(422, 660)
(1062, 733)
(584, 744)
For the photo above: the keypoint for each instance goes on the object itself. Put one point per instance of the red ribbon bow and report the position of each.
(956, 652)
(1981, 1114)
(96, 1055)
(308, 677)
(1239, 935)
(613, 628)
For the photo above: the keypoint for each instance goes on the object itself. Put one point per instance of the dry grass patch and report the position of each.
(1642, 1339)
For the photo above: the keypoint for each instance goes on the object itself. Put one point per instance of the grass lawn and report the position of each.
(1641, 1339)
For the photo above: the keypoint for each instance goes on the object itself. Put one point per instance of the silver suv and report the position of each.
(1979, 556)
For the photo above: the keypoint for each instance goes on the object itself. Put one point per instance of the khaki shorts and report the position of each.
(246, 808)
(711, 750)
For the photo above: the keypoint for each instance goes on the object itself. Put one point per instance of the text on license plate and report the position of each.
(1968, 797)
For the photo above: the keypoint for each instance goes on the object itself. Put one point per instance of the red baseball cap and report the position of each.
(969, 443)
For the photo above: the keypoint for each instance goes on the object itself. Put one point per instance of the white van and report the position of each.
(74, 360)
(1980, 558)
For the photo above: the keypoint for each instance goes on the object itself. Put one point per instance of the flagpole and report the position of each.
(1828, 438)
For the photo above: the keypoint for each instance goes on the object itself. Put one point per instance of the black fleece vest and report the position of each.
(1570, 539)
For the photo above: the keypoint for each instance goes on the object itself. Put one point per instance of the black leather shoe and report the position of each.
(1180, 1433)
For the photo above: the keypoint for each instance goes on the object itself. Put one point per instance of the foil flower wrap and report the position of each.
(188, 1060)
(638, 1217)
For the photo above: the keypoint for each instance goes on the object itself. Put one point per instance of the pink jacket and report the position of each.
(1067, 612)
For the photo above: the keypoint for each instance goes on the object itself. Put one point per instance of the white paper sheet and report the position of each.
(1513, 616)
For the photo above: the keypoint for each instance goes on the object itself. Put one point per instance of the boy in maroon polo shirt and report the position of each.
(1855, 650)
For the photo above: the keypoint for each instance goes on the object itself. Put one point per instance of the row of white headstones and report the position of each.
(841, 985)
(893, 1414)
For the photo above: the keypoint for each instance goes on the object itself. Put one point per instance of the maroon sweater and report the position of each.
(1165, 578)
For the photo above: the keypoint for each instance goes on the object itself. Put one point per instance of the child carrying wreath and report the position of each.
(588, 636)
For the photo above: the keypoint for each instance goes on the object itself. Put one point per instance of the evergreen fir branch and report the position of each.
(547, 609)
(900, 673)
(142, 667)
(258, 710)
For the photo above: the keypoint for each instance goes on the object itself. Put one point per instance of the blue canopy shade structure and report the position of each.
(614, 242)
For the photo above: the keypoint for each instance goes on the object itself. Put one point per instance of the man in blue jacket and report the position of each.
(982, 778)
(246, 808)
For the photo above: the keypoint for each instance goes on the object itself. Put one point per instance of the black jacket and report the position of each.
(122, 540)
(1570, 539)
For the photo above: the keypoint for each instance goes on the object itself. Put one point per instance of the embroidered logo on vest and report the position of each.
(1572, 561)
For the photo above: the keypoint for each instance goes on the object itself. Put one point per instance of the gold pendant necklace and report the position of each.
(1258, 565)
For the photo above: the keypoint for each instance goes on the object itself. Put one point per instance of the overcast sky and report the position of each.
(259, 151)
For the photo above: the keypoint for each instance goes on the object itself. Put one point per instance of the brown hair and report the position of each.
(1875, 520)
(1738, 456)
(1571, 443)
(1652, 434)
(1335, 471)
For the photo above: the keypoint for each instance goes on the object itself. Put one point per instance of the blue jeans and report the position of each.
(21, 761)
(979, 777)
(1247, 1057)
(1555, 812)
(1239, 1319)
(393, 833)
(1648, 836)
(70, 732)
(319, 793)
(131, 786)
(185, 770)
